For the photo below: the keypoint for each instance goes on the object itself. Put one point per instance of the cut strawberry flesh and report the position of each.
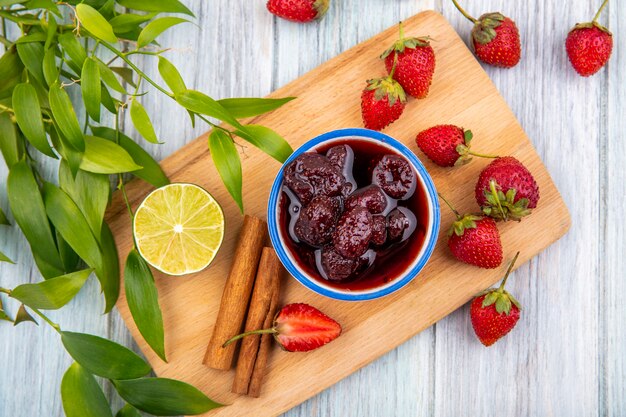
(301, 328)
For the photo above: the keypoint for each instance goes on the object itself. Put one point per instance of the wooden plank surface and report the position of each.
(328, 98)
(572, 325)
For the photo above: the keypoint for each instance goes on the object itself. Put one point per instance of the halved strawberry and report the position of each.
(299, 328)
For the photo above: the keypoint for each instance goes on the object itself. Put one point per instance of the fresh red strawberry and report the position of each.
(298, 10)
(447, 145)
(506, 190)
(495, 38)
(475, 240)
(299, 328)
(416, 63)
(382, 102)
(495, 312)
(589, 46)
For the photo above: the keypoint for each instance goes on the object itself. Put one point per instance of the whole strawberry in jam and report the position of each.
(495, 312)
(415, 63)
(298, 10)
(506, 190)
(589, 46)
(447, 145)
(311, 175)
(299, 327)
(495, 38)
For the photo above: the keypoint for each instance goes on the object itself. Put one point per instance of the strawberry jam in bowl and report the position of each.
(353, 215)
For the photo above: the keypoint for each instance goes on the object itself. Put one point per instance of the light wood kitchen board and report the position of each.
(329, 98)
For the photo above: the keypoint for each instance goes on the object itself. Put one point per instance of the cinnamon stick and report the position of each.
(236, 295)
(260, 316)
(258, 373)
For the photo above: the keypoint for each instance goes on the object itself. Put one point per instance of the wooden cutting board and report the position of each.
(329, 98)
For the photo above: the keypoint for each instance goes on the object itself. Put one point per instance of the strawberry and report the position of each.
(506, 190)
(416, 63)
(589, 46)
(447, 145)
(475, 240)
(298, 10)
(382, 102)
(495, 39)
(299, 328)
(495, 312)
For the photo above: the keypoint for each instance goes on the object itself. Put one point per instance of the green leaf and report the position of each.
(34, 37)
(89, 191)
(71, 155)
(151, 171)
(107, 101)
(110, 274)
(11, 143)
(3, 218)
(128, 411)
(103, 357)
(109, 78)
(226, 160)
(248, 107)
(171, 76)
(10, 71)
(68, 256)
(95, 23)
(167, 6)
(164, 397)
(81, 394)
(143, 302)
(90, 86)
(31, 54)
(23, 316)
(30, 214)
(52, 31)
(4, 258)
(66, 119)
(104, 157)
(43, 4)
(53, 293)
(28, 115)
(74, 50)
(266, 140)
(50, 69)
(4, 3)
(126, 74)
(128, 21)
(155, 28)
(201, 103)
(142, 122)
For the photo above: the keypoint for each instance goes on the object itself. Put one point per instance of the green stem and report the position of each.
(120, 178)
(458, 216)
(250, 333)
(4, 290)
(54, 325)
(463, 12)
(494, 192)
(5, 108)
(482, 155)
(393, 69)
(401, 30)
(600, 10)
(508, 271)
(140, 52)
(137, 70)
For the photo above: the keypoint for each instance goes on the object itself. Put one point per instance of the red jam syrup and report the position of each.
(353, 214)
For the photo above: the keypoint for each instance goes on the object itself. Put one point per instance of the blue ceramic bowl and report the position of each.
(278, 238)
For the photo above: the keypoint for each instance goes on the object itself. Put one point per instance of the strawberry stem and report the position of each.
(401, 31)
(482, 155)
(494, 192)
(250, 333)
(464, 13)
(600, 10)
(508, 271)
(393, 69)
(458, 216)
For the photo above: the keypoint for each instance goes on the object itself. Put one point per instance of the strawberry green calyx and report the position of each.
(387, 87)
(502, 206)
(501, 298)
(402, 43)
(321, 6)
(594, 22)
(467, 221)
(464, 151)
(484, 30)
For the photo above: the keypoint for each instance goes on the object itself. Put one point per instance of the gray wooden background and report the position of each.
(566, 357)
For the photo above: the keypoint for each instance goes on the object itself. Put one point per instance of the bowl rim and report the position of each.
(430, 239)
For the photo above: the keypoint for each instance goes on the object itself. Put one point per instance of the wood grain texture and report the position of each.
(566, 357)
(328, 98)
